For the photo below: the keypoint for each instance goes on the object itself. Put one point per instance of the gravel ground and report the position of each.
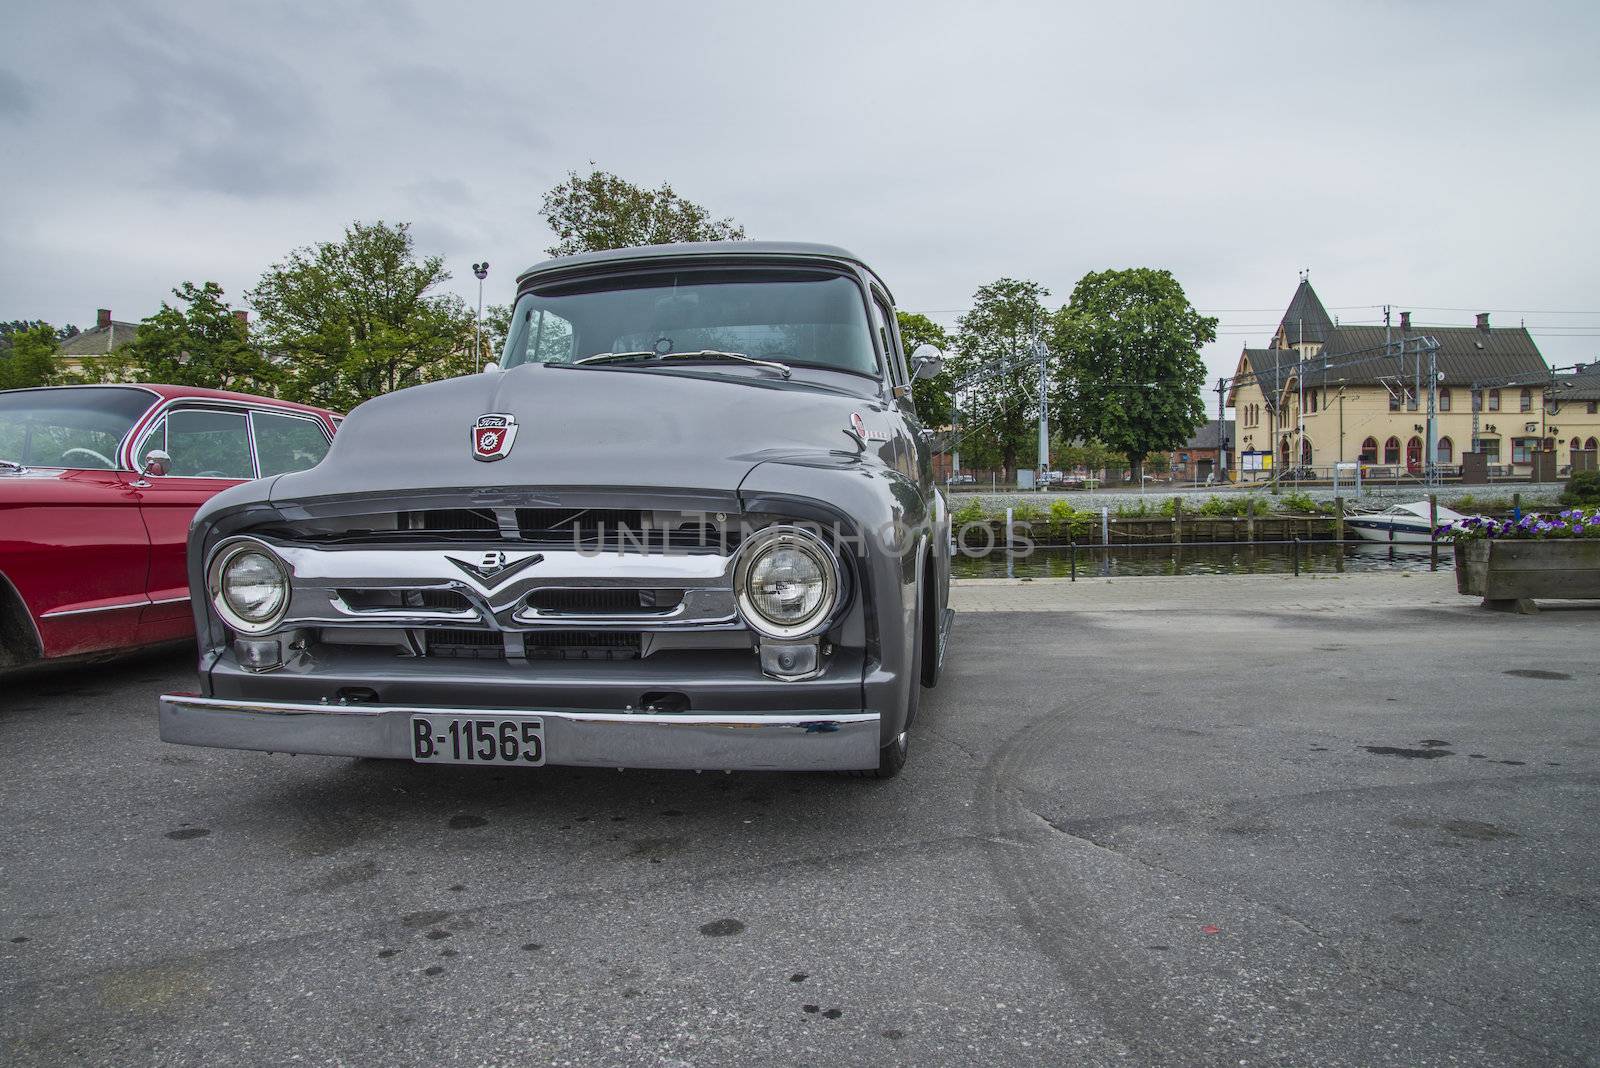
(1183, 821)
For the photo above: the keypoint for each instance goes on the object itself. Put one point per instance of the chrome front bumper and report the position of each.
(823, 741)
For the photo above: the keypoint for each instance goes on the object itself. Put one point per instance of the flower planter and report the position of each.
(1510, 573)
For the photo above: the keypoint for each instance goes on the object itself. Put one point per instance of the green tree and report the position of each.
(1131, 372)
(354, 318)
(197, 342)
(999, 407)
(1089, 455)
(496, 325)
(30, 359)
(9, 330)
(598, 210)
(932, 397)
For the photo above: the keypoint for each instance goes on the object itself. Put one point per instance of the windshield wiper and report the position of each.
(606, 357)
(718, 354)
(702, 354)
(11, 465)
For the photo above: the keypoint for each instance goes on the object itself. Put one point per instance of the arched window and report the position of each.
(1526, 400)
(1391, 451)
(1591, 445)
(1305, 453)
(1369, 451)
(1444, 400)
(1414, 454)
(1446, 451)
(1577, 445)
(1494, 400)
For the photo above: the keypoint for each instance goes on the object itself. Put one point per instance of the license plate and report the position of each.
(515, 740)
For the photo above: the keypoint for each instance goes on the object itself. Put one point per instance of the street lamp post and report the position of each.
(482, 271)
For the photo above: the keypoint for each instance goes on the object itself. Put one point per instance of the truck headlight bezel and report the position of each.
(762, 546)
(242, 552)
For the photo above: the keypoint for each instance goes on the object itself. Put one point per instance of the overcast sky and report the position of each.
(1440, 157)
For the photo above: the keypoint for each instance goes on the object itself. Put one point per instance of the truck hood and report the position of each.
(585, 428)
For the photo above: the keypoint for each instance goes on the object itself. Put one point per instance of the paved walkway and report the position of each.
(1168, 593)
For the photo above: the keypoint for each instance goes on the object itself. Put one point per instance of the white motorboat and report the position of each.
(1400, 524)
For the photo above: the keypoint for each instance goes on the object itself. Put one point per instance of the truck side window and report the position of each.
(883, 323)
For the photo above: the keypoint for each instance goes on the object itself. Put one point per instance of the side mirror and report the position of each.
(926, 362)
(490, 368)
(156, 463)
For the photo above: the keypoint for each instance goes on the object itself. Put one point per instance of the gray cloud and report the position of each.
(15, 99)
(950, 144)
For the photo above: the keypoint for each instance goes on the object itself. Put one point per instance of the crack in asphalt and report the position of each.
(1327, 942)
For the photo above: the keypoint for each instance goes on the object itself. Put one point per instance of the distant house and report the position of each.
(105, 337)
(1573, 407)
(1199, 458)
(1322, 392)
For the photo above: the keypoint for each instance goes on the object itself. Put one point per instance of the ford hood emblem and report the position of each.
(492, 436)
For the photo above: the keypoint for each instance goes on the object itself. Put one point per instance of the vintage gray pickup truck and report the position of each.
(688, 521)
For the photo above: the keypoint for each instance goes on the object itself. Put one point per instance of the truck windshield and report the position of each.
(79, 427)
(800, 318)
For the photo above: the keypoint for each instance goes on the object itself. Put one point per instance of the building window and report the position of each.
(1477, 400)
(1369, 451)
(1446, 451)
(1589, 446)
(1444, 400)
(1494, 400)
(1489, 447)
(1394, 401)
(1522, 450)
(1577, 445)
(1305, 453)
(1526, 400)
(1592, 407)
(1411, 398)
(1391, 451)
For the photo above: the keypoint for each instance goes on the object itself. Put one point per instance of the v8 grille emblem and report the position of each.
(493, 568)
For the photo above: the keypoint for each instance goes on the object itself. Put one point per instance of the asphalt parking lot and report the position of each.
(1261, 828)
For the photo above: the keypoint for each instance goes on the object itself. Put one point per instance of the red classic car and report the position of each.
(98, 485)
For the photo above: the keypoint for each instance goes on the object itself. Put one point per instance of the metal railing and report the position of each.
(1295, 545)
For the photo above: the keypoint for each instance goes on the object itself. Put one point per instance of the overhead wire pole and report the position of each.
(1222, 426)
(1423, 344)
(1044, 411)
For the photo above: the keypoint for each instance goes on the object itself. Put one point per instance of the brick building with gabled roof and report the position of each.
(1360, 404)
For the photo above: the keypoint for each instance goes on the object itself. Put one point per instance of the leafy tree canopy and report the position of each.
(197, 342)
(598, 210)
(999, 410)
(358, 317)
(30, 359)
(1131, 374)
(932, 397)
(9, 330)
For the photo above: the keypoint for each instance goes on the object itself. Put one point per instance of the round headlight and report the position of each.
(787, 583)
(250, 587)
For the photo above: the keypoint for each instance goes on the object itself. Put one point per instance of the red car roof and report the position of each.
(170, 392)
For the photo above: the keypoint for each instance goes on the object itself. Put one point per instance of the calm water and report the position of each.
(1198, 559)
